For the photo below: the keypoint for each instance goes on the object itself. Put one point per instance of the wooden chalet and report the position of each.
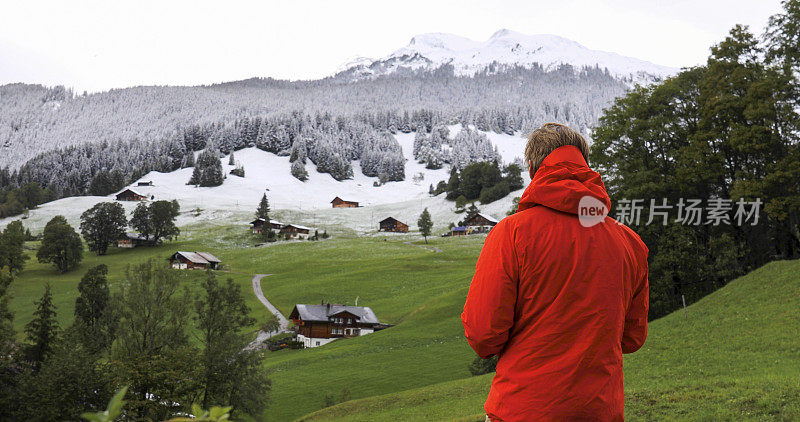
(296, 231)
(391, 224)
(193, 260)
(341, 203)
(132, 240)
(317, 325)
(257, 225)
(480, 223)
(130, 195)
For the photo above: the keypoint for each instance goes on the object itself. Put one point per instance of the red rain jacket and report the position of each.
(557, 301)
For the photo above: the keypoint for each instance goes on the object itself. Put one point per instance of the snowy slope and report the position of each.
(305, 203)
(505, 47)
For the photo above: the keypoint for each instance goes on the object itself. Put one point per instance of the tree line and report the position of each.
(171, 349)
(724, 130)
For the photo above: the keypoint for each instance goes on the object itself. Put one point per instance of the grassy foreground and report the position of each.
(737, 357)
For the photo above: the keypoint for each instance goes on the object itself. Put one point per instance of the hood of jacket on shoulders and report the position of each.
(562, 180)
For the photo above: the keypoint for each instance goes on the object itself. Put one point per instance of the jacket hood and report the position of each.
(562, 180)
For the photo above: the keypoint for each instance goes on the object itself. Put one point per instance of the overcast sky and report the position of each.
(98, 45)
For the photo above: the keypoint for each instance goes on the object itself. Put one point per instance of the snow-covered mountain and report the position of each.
(504, 48)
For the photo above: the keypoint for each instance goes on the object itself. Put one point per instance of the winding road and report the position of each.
(282, 321)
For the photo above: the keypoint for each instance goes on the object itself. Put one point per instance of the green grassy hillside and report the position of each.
(737, 357)
(406, 284)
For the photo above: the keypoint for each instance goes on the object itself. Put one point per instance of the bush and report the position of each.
(498, 191)
(483, 366)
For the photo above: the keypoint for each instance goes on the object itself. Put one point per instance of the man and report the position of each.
(559, 293)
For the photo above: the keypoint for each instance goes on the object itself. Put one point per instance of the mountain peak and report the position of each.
(506, 47)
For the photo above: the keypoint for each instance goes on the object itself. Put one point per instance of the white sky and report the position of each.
(98, 45)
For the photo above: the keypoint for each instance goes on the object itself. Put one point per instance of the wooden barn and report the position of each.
(132, 240)
(257, 225)
(391, 224)
(130, 195)
(317, 325)
(296, 231)
(480, 223)
(341, 203)
(193, 260)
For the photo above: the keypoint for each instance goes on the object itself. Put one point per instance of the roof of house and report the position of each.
(343, 200)
(198, 257)
(129, 190)
(390, 219)
(486, 216)
(297, 226)
(271, 221)
(322, 312)
(135, 236)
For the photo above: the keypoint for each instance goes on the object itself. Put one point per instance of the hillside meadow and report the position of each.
(736, 357)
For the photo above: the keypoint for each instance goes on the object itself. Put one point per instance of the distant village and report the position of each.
(313, 325)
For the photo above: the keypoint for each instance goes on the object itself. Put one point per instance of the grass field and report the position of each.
(737, 357)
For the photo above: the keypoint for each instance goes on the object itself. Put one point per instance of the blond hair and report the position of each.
(547, 138)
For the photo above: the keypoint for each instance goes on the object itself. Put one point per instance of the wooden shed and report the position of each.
(193, 260)
(391, 224)
(341, 203)
(130, 195)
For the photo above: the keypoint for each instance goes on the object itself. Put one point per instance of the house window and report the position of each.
(317, 343)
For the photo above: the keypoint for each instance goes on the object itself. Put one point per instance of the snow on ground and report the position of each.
(291, 200)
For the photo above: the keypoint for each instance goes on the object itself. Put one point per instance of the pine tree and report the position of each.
(263, 209)
(42, 330)
(299, 171)
(425, 224)
(231, 160)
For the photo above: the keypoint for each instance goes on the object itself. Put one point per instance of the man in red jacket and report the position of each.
(560, 292)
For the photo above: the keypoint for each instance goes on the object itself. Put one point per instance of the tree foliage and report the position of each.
(102, 225)
(60, 245)
(725, 130)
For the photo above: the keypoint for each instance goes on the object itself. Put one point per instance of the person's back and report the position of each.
(558, 297)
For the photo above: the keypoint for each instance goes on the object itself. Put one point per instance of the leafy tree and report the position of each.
(93, 318)
(140, 220)
(270, 324)
(162, 219)
(491, 194)
(42, 330)
(425, 224)
(71, 381)
(151, 352)
(102, 225)
(60, 245)
(12, 242)
(222, 318)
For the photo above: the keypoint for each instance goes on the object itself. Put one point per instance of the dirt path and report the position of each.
(282, 321)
